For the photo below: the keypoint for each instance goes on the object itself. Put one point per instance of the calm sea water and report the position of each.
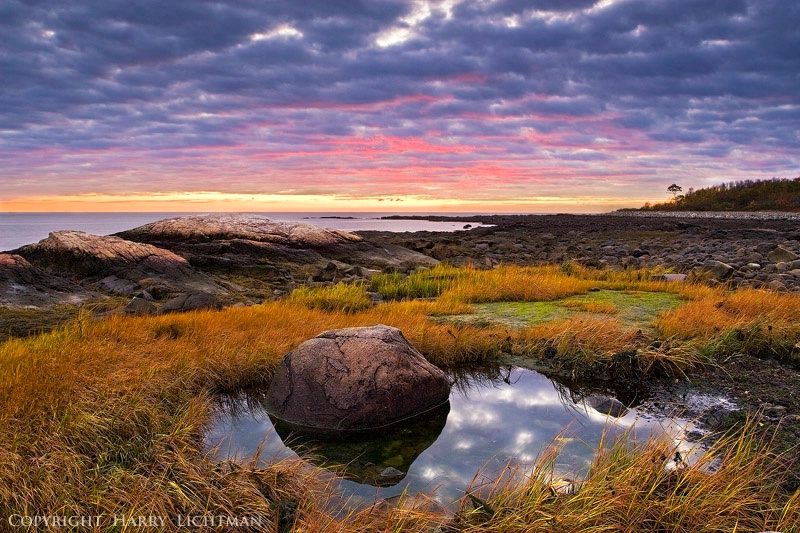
(19, 229)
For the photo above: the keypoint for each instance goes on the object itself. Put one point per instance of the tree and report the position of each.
(674, 189)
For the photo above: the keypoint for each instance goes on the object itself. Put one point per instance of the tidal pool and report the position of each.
(496, 417)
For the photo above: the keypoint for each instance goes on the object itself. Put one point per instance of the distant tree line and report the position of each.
(746, 195)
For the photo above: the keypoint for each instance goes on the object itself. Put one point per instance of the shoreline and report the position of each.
(728, 215)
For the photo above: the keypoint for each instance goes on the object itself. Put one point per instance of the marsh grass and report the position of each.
(733, 486)
(345, 297)
(106, 417)
(752, 322)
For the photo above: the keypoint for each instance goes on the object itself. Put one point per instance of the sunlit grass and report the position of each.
(348, 298)
(633, 488)
(107, 416)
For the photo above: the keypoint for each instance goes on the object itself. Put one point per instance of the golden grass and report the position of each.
(607, 308)
(631, 489)
(107, 416)
(348, 298)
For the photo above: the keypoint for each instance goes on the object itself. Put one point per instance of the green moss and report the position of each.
(637, 309)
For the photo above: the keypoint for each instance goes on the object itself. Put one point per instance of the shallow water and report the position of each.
(498, 417)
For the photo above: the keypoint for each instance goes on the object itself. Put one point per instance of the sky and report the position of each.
(385, 105)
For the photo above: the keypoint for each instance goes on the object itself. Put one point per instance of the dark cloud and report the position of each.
(505, 79)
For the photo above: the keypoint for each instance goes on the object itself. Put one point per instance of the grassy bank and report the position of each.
(106, 417)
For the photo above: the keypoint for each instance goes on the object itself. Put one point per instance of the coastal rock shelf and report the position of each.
(746, 250)
(192, 262)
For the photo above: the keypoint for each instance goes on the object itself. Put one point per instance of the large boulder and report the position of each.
(355, 380)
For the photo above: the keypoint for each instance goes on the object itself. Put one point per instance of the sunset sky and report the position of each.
(360, 105)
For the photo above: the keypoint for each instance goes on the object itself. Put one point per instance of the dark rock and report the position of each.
(782, 255)
(144, 295)
(191, 302)
(140, 307)
(718, 270)
(25, 285)
(355, 379)
(606, 405)
(115, 285)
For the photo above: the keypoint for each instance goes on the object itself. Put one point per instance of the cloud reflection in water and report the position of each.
(494, 420)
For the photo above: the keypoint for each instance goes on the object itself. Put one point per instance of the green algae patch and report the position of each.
(634, 309)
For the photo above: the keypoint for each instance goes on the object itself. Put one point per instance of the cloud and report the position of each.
(431, 95)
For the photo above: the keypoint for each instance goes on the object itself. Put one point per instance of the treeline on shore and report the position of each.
(745, 195)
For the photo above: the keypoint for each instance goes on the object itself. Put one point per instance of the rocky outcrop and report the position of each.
(226, 227)
(236, 246)
(24, 285)
(355, 380)
(189, 263)
(114, 265)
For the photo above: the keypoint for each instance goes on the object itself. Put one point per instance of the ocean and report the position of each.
(19, 229)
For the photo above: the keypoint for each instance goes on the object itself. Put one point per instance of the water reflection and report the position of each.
(381, 459)
(497, 417)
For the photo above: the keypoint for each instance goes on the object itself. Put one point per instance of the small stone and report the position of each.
(718, 270)
(391, 472)
(140, 307)
(607, 406)
(776, 285)
(781, 254)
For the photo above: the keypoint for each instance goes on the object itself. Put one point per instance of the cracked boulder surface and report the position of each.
(355, 380)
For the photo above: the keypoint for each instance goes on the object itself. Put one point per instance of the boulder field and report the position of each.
(760, 250)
